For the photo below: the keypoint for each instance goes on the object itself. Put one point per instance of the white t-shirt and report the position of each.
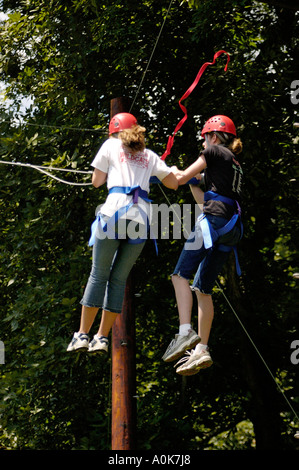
(126, 169)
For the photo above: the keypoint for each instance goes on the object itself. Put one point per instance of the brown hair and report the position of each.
(133, 139)
(234, 144)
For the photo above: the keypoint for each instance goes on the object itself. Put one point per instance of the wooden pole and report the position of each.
(123, 420)
(119, 105)
(123, 376)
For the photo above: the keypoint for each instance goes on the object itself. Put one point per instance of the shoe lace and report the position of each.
(83, 336)
(185, 358)
(173, 341)
(101, 339)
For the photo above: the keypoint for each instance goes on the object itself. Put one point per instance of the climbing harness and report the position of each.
(135, 192)
(211, 235)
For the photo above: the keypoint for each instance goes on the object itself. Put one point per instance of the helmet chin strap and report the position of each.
(207, 140)
(224, 138)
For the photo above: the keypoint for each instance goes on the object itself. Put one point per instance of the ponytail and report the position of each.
(236, 146)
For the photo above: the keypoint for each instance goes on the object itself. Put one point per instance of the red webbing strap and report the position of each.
(186, 94)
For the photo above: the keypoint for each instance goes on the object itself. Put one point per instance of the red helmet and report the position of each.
(121, 121)
(219, 123)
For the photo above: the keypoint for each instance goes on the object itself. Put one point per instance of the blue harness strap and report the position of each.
(218, 197)
(134, 191)
(211, 235)
(207, 233)
(230, 248)
(93, 229)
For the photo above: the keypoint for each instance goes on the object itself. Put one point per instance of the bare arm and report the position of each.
(197, 167)
(197, 193)
(98, 178)
(170, 181)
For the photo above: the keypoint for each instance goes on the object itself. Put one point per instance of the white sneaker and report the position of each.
(194, 361)
(79, 341)
(99, 344)
(179, 344)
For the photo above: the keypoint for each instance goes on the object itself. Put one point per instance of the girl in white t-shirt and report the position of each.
(120, 229)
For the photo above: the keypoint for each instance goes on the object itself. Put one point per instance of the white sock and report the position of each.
(184, 329)
(200, 347)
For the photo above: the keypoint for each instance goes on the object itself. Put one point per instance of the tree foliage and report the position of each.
(70, 58)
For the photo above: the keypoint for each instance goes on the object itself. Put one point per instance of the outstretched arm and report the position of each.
(197, 167)
(170, 181)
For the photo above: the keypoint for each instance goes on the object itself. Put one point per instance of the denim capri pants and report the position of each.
(205, 264)
(112, 261)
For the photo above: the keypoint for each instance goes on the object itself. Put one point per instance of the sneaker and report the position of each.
(99, 344)
(179, 345)
(193, 362)
(80, 341)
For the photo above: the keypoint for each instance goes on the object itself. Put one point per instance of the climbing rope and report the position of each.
(46, 169)
(63, 128)
(151, 56)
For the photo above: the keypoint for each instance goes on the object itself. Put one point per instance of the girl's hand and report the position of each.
(176, 171)
(198, 176)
